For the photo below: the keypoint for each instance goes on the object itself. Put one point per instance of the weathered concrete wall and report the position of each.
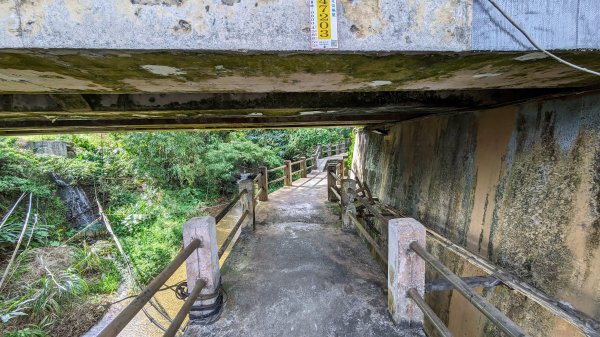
(519, 185)
(283, 25)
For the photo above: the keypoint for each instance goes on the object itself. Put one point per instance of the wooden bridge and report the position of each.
(307, 261)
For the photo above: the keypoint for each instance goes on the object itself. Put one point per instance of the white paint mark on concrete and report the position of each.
(531, 56)
(379, 83)
(163, 70)
(484, 75)
(304, 113)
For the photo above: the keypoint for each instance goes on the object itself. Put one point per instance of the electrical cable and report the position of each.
(537, 46)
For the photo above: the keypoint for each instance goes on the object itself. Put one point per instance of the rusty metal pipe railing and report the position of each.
(125, 316)
(228, 208)
(231, 235)
(437, 323)
(372, 209)
(494, 315)
(335, 176)
(257, 178)
(185, 309)
(297, 172)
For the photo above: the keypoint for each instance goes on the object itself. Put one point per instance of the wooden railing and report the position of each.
(370, 207)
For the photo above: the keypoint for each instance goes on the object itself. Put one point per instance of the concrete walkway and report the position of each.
(298, 274)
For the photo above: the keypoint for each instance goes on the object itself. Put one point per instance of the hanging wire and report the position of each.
(536, 45)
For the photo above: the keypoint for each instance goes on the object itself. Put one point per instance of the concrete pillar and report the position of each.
(348, 194)
(315, 162)
(303, 167)
(331, 182)
(287, 172)
(329, 150)
(337, 148)
(204, 263)
(247, 200)
(406, 270)
(263, 182)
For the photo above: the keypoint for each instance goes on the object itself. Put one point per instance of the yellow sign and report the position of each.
(323, 19)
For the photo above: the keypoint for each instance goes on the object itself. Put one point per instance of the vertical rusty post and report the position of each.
(263, 183)
(331, 182)
(329, 150)
(287, 173)
(348, 208)
(303, 167)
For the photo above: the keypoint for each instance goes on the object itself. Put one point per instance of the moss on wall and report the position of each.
(518, 185)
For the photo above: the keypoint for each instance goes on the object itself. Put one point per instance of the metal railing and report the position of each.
(496, 275)
(127, 314)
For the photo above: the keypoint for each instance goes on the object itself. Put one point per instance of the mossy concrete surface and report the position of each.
(517, 185)
(124, 71)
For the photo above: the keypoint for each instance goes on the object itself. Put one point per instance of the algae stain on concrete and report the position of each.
(365, 17)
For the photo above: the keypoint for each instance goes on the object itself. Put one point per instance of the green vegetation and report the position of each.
(148, 184)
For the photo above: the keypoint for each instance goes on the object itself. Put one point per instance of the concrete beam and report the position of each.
(284, 25)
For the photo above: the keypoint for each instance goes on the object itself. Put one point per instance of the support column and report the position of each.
(406, 270)
(287, 172)
(263, 182)
(331, 167)
(203, 265)
(303, 167)
(329, 150)
(247, 200)
(337, 148)
(348, 206)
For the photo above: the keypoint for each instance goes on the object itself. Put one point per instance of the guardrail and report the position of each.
(370, 207)
(127, 314)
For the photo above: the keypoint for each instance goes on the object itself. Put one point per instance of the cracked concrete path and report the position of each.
(298, 274)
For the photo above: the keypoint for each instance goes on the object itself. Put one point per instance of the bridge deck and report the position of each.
(298, 274)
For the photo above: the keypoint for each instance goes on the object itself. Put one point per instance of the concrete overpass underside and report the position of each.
(85, 66)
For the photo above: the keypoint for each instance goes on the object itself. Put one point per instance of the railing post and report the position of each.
(287, 172)
(347, 142)
(348, 208)
(263, 182)
(337, 148)
(303, 167)
(405, 271)
(329, 150)
(331, 167)
(204, 265)
(247, 200)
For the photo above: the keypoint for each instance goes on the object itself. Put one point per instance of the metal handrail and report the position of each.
(297, 172)
(185, 308)
(369, 238)
(296, 162)
(125, 316)
(498, 318)
(229, 238)
(228, 208)
(437, 323)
